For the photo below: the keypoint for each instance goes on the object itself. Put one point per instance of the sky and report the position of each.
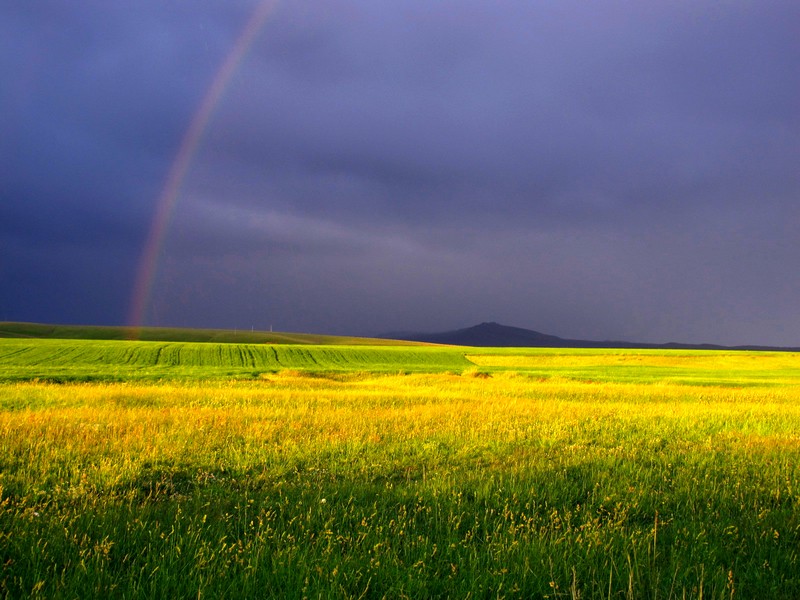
(599, 170)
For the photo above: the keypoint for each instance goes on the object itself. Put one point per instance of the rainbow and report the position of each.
(168, 198)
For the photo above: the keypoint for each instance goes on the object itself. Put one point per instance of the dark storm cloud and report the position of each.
(585, 111)
(607, 170)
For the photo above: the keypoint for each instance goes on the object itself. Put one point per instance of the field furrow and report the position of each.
(89, 359)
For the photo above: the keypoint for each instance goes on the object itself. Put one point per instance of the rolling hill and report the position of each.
(10, 329)
(497, 335)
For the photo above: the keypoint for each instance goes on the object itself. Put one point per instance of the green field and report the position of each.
(139, 469)
(103, 360)
(9, 329)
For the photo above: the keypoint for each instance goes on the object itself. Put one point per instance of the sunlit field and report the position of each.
(155, 469)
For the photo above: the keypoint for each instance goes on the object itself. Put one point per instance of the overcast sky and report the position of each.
(598, 170)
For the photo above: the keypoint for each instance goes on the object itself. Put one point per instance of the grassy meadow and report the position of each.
(207, 470)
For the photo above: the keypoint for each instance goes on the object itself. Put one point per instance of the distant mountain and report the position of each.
(486, 334)
(497, 335)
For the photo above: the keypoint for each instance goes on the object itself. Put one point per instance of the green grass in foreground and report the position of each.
(522, 477)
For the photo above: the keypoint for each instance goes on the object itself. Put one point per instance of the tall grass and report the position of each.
(297, 485)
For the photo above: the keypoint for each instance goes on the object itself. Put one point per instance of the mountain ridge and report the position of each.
(492, 334)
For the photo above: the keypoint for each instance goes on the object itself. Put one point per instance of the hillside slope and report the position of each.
(497, 335)
(174, 334)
